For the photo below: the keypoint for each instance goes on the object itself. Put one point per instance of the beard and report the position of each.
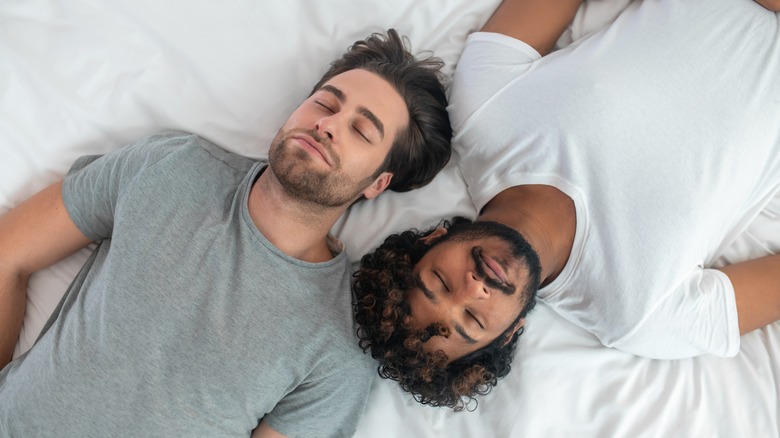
(295, 170)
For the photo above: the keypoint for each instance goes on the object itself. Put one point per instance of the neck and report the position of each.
(297, 227)
(545, 216)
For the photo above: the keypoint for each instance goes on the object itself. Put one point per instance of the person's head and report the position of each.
(442, 310)
(376, 120)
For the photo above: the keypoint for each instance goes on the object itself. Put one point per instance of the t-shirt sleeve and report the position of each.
(95, 183)
(489, 62)
(699, 317)
(328, 407)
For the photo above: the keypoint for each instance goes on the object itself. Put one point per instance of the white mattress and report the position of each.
(85, 77)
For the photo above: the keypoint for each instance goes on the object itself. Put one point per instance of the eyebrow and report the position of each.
(461, 331)
(365, 112)
(458, 328)
(427, 292)
(373, 119)
(336, 92)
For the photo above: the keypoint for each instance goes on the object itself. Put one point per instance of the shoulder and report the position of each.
(489, 62)
(182, 153)
(181, 162)
(159, 145)
(500, 48)
(353, 367)
(221, 155)
(184, 143)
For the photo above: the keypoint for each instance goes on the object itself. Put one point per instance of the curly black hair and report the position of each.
(381, 287)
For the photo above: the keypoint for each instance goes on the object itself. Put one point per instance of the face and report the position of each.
(474, 287)
(330, 149)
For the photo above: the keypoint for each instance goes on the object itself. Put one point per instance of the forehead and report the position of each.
(443, 251)
(362, 88)
(456, 247)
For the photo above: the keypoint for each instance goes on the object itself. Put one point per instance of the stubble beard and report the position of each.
(292, 168)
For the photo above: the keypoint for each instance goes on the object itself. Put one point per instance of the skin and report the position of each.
(473, 307)
(39, 232)
(299, 226)
(547, 219)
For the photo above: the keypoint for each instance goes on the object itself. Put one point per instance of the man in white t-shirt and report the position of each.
(626, 162)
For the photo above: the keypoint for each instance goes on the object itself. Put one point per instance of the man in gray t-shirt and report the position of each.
(216, 297)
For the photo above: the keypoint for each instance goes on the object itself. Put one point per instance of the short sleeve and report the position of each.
(699, 317)
(94, 183)
(329, 407)
(489, 62)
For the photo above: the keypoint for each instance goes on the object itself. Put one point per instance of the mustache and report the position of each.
(476, 255)
(324, 141)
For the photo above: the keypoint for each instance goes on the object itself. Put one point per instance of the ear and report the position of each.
(520, 324)
(434, 236)
(378, 186)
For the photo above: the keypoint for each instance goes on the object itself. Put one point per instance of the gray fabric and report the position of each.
(187, 321)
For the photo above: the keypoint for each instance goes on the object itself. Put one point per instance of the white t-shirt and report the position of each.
(664, 128)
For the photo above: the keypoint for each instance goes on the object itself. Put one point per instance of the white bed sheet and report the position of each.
(85, 77)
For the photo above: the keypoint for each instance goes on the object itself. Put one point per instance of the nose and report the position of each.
(327, 127)
(474, 287)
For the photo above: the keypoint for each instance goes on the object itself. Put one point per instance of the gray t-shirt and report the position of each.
(186, 321)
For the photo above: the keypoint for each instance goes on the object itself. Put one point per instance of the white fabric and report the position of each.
(80, 77)
(663, 169)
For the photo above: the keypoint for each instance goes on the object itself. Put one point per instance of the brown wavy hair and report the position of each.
(381, 287)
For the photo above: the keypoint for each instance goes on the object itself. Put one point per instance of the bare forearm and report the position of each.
(772, 5)
(13, 296)
(34, 235)
(757, 291)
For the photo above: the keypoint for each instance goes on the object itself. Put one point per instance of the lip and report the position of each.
(309, 143)
(494, 269)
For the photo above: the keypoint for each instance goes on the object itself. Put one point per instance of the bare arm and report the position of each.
(538, 23)
(265, 431)
(34, 235)
(772, 5)
(757, 290)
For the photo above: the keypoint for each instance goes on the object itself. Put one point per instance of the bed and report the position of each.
(86, 77)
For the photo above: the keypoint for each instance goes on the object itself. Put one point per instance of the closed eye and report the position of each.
(442, 281)
(326, 107)
(475, 319)
(425, 289)
(361, 134)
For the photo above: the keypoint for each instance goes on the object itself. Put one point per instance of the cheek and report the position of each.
(423, 312)
(301, 115)
(507, 312)
(291, 122)
(418, 311)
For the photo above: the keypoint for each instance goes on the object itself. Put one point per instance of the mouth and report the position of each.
(314, 147)
(494, 269)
